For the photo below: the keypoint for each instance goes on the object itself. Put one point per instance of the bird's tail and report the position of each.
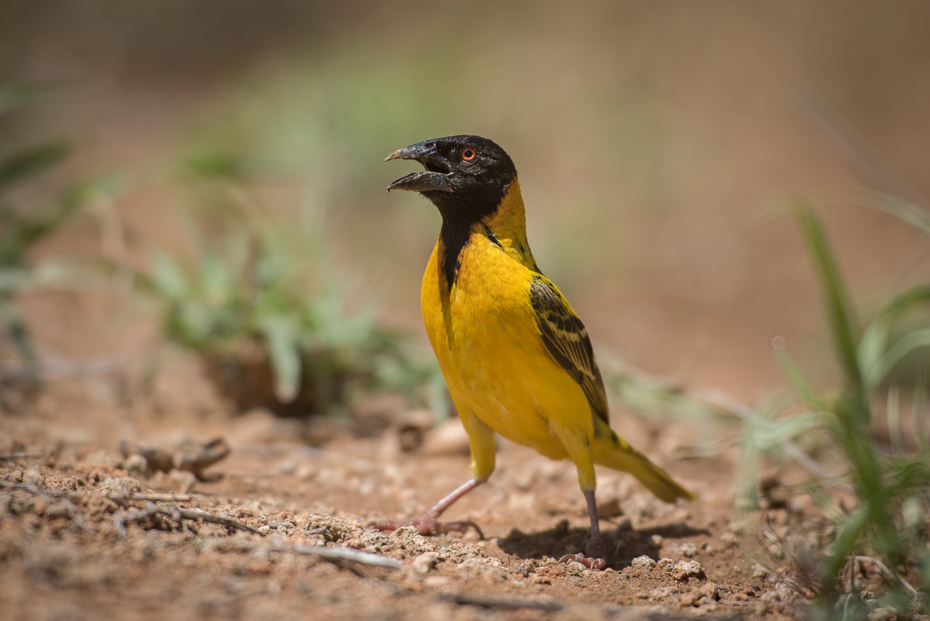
(609, 449)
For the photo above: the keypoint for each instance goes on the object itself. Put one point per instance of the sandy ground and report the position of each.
(88, 530)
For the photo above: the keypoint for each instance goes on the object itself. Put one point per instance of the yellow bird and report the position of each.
(515, 356)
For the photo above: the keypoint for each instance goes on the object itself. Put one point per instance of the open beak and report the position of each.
(436, 176)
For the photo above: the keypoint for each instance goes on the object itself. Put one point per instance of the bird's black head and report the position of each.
(466, 176)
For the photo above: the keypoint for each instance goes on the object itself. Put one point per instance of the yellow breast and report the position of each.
(489, 348)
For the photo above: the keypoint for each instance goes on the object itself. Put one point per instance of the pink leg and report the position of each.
(595, 552)
(428, 523)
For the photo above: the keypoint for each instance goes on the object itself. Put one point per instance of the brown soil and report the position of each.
(75, 545)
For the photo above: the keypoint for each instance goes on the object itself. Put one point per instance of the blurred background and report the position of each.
(193, 224)
(651, 141)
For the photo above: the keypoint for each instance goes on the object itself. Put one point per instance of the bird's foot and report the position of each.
(427, 525)
(594, 557)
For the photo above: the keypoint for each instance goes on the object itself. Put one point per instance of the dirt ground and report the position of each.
(88, 530)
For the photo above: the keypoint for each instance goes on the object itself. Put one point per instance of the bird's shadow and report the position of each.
(622, 545)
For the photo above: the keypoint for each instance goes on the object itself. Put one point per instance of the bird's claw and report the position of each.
(597, 564)
(594, 557)
(427, 525)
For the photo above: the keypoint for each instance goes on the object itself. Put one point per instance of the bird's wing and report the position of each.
(567, 341)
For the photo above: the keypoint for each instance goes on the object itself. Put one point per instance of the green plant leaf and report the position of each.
(168, 278)
(846, 541)
(874, 340)
(905, 211)
(840, 313)
(282, 338)
(909, 342)
(769, 435)
(31, 162)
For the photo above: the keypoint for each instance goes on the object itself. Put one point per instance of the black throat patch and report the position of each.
(457, 219)
(455, 236)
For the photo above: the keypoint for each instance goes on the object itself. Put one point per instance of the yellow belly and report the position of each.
(492, 355)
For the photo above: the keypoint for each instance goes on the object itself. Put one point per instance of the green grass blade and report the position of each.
(893, 414)
(874, 340)
(800, 384)
(920, 410)
(845, 544)
(909, 342)
(771, 434)
(905, 211)
(839, 310)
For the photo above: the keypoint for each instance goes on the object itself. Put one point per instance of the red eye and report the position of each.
(468, 154)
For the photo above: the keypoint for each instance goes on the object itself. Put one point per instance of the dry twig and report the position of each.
(175, 513)
(197, 514)
(334, 554)
(891, 574)
(339, 553)
(495, 602)
(150, 496)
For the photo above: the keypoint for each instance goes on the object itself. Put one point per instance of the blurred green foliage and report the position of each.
(891, 485)
(26, 219)
(264, 306)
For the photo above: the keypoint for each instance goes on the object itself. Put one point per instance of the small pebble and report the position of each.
(643, 562)
(659, 594)
(424, 563)
(682, 570)
(656, 541)
(710, 591)
(136, 464)
(34, 477)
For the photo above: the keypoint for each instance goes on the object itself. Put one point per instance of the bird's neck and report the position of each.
(505, 227)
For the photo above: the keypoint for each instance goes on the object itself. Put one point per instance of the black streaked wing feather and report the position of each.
(567, 341)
